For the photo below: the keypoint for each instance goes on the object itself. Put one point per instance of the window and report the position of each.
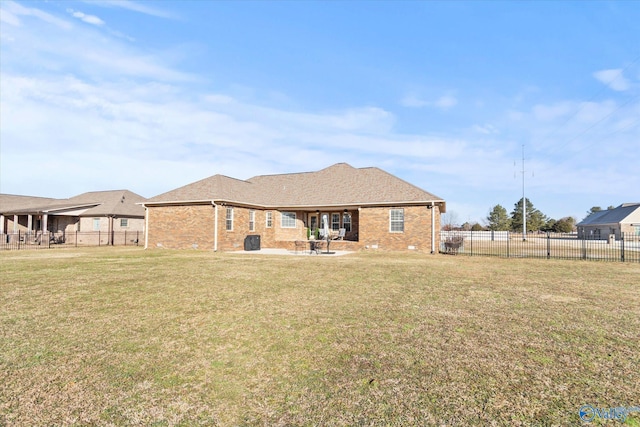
(396, 220)
(229, 221)
(288, 219)
(335, 221)
(96, 224)
(346, 222)
(252, 220)
(269, 219)
(124, 222)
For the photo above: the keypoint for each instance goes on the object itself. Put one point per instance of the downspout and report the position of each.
(215, 229)
(111, 230)
(433, 228)
(146, 227)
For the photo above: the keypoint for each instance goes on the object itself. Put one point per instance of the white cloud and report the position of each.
(412, 101)
(614, 79)
(8, 17)
(39, 47)
(16, 9)
(89, 19)
(445, 102)
(133, 6)
(132, 118)
(486, 129)
(552, 112)
(155, 125)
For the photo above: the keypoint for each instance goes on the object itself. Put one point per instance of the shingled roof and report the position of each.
(337, 185)
(13, 203)
(94, 203)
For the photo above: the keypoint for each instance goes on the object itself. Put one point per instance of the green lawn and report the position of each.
(123, 336)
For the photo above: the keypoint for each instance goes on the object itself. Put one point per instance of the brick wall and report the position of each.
(374, 229)
(190, 226)
(181, 227)
(86, 224)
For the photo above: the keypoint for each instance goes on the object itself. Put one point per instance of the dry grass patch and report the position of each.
(114, 336)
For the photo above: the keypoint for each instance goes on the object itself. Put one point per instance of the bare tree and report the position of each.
(450, 221)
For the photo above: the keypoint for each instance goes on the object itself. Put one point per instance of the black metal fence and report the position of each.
(624, 248)
(48, 240)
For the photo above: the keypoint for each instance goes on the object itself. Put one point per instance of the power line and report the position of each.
(574, 154)
(585, 103)
(601, 120)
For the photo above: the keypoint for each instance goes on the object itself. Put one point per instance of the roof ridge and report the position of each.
(300, 173)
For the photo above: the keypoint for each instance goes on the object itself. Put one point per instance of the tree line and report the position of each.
(500, 220)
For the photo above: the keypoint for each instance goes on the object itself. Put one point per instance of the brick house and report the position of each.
(371, 208)
(105, 211)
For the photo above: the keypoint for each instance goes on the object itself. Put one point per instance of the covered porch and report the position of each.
(343, 223)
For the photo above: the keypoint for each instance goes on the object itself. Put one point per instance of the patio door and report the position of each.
(313, 222)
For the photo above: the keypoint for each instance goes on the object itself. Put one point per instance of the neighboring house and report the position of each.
(373, 208)
(623, 219)
(106, 211)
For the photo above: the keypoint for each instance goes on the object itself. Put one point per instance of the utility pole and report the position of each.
(524, 203)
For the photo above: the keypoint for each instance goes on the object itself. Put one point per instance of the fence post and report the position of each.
(98, 237)
(471, 238)
(508, 240)
(18, 239)
(622, 246)
(125, 237)
(584, 247)
(548, 245)
(137, 238)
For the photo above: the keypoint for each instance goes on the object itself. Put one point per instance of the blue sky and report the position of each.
(150, 96)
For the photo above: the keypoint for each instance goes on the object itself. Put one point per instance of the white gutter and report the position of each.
(433, 228)
(146, 227)
(215, 230)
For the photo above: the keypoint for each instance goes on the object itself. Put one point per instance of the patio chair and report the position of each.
(340, 235)
(300, 245)
(317, 246)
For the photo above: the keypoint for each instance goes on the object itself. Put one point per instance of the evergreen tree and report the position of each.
(477, 227)
(536, 220)
(498, 219)
(564, 225)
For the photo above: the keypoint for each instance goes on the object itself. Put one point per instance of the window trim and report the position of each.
(229, 218)
(96, 224)
(269, 219)
(346, 224)
(124, 222)
(252, 220)
(284, 215)
(335, 215)
(396, 221)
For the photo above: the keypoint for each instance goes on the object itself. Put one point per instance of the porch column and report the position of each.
(1, 224)
(45, 217)
(29, 223)
(15, 224)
